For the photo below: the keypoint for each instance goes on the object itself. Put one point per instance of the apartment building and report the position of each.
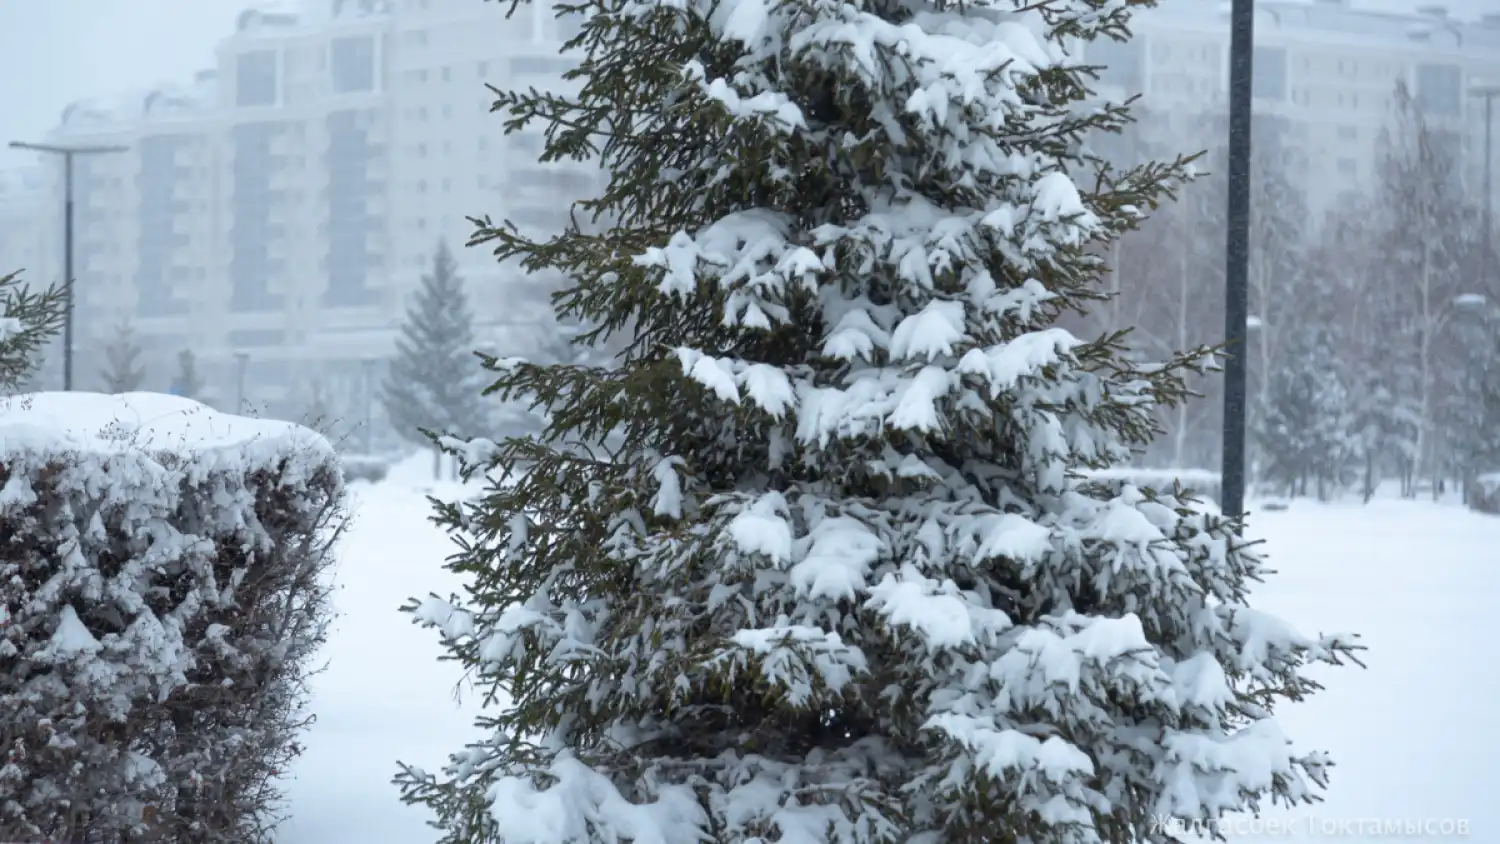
(1323, 76)
(29, 240)
(275, 214)
(25, 236)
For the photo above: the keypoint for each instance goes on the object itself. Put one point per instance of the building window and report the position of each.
(255, 82)
(541, 64)
(1270, 132)
(1447, 149)
(416, 38)
(569, 26)
(1440, 89)
(447, 74)
(1348, 167)
(1120, 63)
(353, 64)
(1270, 77)
(1348, 133)
(529, 143)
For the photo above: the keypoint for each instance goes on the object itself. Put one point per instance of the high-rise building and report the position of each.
(25, 235)
(277, 213)
(1324, 73)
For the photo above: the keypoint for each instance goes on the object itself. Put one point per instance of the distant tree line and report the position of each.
(1374, 345)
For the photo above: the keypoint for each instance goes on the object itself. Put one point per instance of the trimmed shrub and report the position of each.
(163, 589)
(365, 467)
(1484, 494)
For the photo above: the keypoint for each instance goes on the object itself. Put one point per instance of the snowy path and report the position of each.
(384, 697)
(1414, 736)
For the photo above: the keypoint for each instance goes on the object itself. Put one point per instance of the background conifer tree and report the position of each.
(29, 319)
(186, 382)
(434, 382)
(123, 371)
(814, 562)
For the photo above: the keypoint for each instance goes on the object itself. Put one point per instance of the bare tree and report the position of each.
(1422, 249)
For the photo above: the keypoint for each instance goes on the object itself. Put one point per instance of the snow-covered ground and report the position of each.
(385, 696)
(1414, 736)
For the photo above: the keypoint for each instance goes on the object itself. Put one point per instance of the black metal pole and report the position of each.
(1487, 250)
(67, 154)
(68, 271)
(369, 367)
(1237, 255)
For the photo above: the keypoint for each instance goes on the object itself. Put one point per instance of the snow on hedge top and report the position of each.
(95, 423)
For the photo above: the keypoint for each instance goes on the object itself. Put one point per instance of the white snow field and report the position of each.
(384, 696)
(1413, 737)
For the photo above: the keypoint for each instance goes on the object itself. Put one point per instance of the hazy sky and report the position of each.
(55, 51)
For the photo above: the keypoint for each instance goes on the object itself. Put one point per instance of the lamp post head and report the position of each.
(1470, 302)
(58, 149)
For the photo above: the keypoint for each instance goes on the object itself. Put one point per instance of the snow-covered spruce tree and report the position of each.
(434, 382)
(123, 371)
(1303, 430)
(812, 564)
(28, 320)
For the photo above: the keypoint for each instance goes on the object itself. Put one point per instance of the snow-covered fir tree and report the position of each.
(187, 383)
(813, 564)
(28, 320)
(434, 382)
(1471, 410)
(1302, 432)
(123, 370)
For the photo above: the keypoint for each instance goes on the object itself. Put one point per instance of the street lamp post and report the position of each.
(68, 153)
(1237, 255)
(368, 365)
(1488, 93)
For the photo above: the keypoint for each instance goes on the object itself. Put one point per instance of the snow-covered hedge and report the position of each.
(366, 467)
(1484, 494)
(162, 590)
(1203, 483)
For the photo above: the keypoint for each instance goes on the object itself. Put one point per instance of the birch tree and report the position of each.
(1421, 257)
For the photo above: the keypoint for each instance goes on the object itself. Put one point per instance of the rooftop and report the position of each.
(1471, 27)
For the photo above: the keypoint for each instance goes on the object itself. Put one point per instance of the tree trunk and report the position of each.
(1369, 482)
(1179, 436)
